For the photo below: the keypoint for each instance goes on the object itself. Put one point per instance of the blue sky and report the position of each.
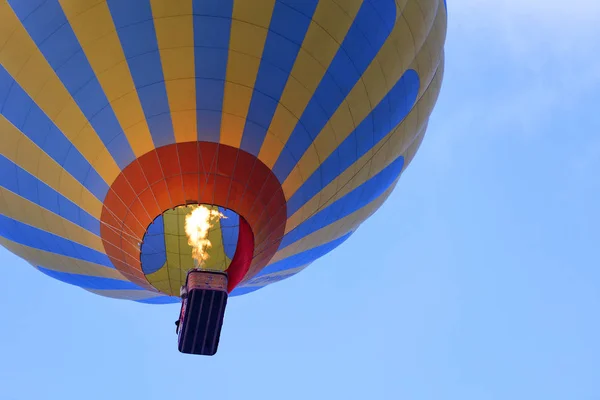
(478, 279)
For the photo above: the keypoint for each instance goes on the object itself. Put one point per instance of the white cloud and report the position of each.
(544, 12)
(516, 69)
(533, 32)
(513, 63)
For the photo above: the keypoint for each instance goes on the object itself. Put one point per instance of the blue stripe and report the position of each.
(394, 107)
(6, 82)
(159, 300)
(286, 34)
(304, 258)
(22, 183)
(153, 251)
(289, 263)
(25, 115)
(38, 239)
(25, 7)
(135, 27)
(90, 282)
(353, 201)
(240, 291)
(49, 28)
(268, 279)
(230, 229)
(212, 26)
(365, 37)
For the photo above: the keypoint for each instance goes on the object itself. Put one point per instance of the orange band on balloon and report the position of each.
(192, 173)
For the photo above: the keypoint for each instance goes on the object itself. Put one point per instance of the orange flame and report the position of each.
(197, 226)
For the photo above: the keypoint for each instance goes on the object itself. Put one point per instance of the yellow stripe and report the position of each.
(93, 25)
(249, 28)
(260, 280)
(60, 263)
(318, 50)
(400, 5)
(383, 73)
(160, 280)
(410, 153)
(431, 75)
(22, 151)
(20, 209)
(126, 294)
(176, 265)
(174, 26)
(347, 224)
(335, 230)
(330, 232)
(24, 61)
(374, 161)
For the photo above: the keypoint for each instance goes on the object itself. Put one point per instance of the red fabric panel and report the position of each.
(243, 256)
(188, 158)
(161, 193)
(175, 186)
(136, 177)
(136, 227)
(169, 161)
(123, 190)
(140, 213)
(150, 166)
(115, 205)
(222, 184)
(149, 201)
(190, 185)
(208, 157)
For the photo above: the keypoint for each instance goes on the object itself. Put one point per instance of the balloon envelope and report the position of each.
(295, 118)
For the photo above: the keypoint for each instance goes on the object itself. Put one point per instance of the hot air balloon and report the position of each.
(154, 150)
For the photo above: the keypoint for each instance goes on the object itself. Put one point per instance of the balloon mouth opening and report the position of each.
(192, 236)
(195, 236)
(141, 200)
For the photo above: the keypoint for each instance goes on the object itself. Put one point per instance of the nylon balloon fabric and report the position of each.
(293, 118)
